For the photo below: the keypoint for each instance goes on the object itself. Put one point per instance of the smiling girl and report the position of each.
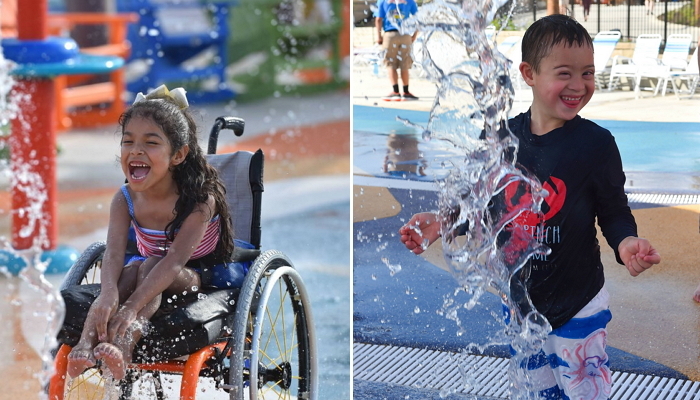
(174, 201)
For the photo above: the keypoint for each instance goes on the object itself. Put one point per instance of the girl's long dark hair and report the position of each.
(196, 180)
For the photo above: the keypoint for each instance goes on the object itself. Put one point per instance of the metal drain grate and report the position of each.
(664, 199)
(440, 370)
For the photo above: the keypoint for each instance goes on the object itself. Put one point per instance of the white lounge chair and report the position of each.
(677, 50)
(490, 32)
(368, 57)
(603, 46)
(646, 53)
(674, 58)
(690, 76)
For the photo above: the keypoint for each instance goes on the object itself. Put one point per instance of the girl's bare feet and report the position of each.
(696, 296)
(79, 359)
(112, 358)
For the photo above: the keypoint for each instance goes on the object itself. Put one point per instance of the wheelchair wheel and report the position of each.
(274, 344)
(87, 268)
(90, 385)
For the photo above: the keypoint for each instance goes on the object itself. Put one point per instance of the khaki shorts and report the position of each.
(398, 50)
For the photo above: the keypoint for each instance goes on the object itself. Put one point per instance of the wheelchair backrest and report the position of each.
(241, 173)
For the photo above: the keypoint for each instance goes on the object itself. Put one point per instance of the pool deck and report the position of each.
(656, 324)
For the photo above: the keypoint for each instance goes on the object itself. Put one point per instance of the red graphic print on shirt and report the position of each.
(530, 225)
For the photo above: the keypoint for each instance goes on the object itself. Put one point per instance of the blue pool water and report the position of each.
(653, 147)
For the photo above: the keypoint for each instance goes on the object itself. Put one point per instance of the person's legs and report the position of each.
(406, 62)
(392, 59)
(393, 76)
(577, 352)
(116, 356)
(81, 356)
(404, 76)
(541, 377)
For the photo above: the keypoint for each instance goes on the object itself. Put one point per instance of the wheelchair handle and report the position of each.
(237, 125)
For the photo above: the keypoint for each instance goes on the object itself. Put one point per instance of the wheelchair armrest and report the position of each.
(243, 255)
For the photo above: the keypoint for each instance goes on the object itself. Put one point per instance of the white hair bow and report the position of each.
(177, 94)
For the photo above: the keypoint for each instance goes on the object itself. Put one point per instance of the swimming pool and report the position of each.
(660, 154)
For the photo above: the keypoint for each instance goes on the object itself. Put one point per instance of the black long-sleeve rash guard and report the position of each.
(580, 166)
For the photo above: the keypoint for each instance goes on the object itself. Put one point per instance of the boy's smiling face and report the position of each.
(564, 84)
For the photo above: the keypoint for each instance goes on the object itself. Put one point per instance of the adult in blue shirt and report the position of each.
(397, 43)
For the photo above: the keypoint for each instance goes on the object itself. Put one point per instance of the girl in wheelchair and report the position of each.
(175, 203)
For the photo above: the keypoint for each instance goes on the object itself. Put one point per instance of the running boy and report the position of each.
(579, 164)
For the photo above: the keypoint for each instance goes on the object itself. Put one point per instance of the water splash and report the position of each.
(30, 184)
(483, 192)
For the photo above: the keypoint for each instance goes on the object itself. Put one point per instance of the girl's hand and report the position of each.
(420, 232)
(120, 322)
(104, 307)
(638, 254)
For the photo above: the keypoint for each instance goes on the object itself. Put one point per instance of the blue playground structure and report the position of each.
(168, 38)
(177, 43)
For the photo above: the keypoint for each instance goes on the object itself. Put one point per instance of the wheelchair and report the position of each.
(252, 342)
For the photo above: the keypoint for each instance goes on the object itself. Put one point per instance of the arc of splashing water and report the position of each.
(469, 116)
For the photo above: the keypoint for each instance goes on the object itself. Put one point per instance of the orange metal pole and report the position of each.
(31, 19)
(33, 142)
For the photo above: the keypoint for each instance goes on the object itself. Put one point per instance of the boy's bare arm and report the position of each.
(378, 24)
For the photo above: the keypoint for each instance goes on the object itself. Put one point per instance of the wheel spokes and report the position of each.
(282, 337)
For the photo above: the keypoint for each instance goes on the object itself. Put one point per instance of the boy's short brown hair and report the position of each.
(549, 31)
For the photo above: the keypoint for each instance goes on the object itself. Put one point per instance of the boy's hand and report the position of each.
(638, 254)
(422, 228)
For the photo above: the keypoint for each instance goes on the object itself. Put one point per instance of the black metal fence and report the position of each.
(630, 17)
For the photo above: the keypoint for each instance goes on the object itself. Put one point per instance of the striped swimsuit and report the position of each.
(151, 242)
